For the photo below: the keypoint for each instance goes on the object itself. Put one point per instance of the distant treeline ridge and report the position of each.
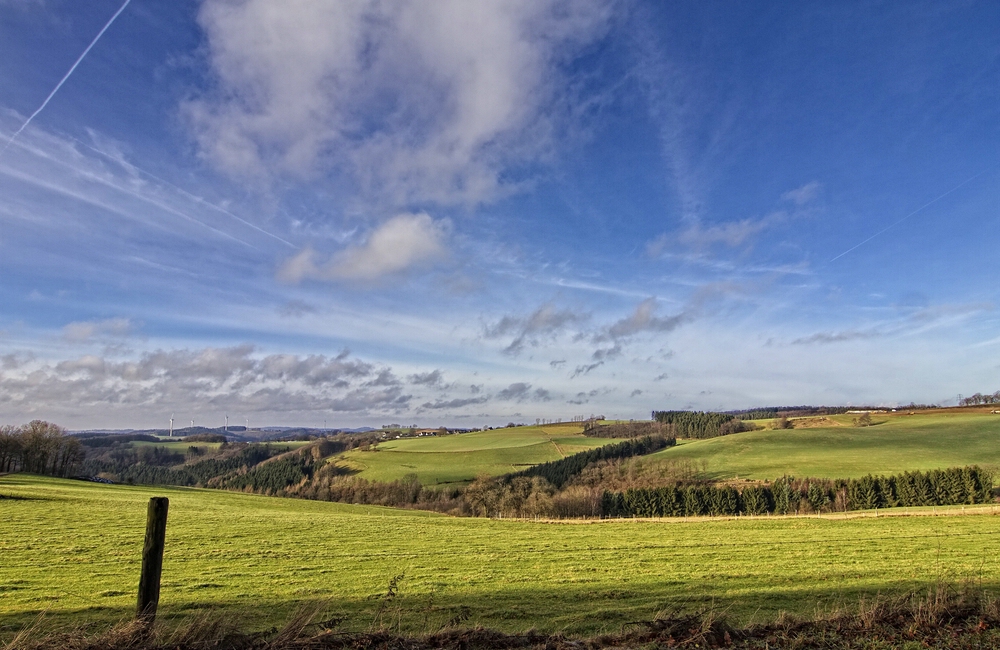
(980, 399)
(266, 468)
(956, 486)
(558, 472)
(772, 412)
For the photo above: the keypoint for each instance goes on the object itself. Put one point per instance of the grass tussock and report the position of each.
(943, 617)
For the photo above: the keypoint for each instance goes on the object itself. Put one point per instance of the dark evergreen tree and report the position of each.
(818, 496)
(756, 501)
(695, 424)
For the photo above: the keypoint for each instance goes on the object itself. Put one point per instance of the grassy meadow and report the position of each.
(829, 447)
(459, 458)
(72, 549)
(821, 447)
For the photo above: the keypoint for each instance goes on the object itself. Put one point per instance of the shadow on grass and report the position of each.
(606, 617)
(943, 616)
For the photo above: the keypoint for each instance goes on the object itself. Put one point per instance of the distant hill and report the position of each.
(235, 433)
(831, 446)
(461, 457)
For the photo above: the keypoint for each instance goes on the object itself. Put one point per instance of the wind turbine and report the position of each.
(227, 423)
(171, 425)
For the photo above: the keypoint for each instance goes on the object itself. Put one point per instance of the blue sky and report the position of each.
(472, 213)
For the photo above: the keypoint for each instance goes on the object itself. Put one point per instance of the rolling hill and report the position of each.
(830, 447)
(459, 458)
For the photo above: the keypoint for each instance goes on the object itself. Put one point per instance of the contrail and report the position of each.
(931, 202)
(187, 194)
(65, 77)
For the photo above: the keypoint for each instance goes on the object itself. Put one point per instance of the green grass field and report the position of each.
(460, 458)
(71, 549)
(829, 448)
(897, 443)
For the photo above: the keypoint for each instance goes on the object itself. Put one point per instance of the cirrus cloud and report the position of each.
(416, 101)
(82, 331)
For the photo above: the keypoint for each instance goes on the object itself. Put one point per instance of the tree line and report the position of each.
(955, 486)
(124, 463)
(594, 428)
(105, 440)
(39, 447)
(771, 412)
(233, 466)
(698, 424)
(980, 399)
(558, 472)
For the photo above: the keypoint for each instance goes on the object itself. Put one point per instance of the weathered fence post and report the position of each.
(152, 560)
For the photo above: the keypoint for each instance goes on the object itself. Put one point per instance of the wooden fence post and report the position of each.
(152, 559)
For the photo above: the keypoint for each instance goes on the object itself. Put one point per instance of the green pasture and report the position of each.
(461, 457)
(71, 550)
(896, 443)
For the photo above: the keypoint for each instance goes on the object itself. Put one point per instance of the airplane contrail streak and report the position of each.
(65, 77)
(925, 205)
(187, 194)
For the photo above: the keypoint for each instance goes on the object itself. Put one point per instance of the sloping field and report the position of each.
(834, 449)
(461, 457)
(72, 549)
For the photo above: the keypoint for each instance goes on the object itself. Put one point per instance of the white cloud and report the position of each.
(643, 319)
(516, 391)
(432, 378)
(83, 331)
(421, 101)
(698, 237)
(544, 322)
(838, 337)
(916, 321)
(736, 233)
(454, 403)
(521, 391)
(802, 195)
(405, 242)
(209, 378)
